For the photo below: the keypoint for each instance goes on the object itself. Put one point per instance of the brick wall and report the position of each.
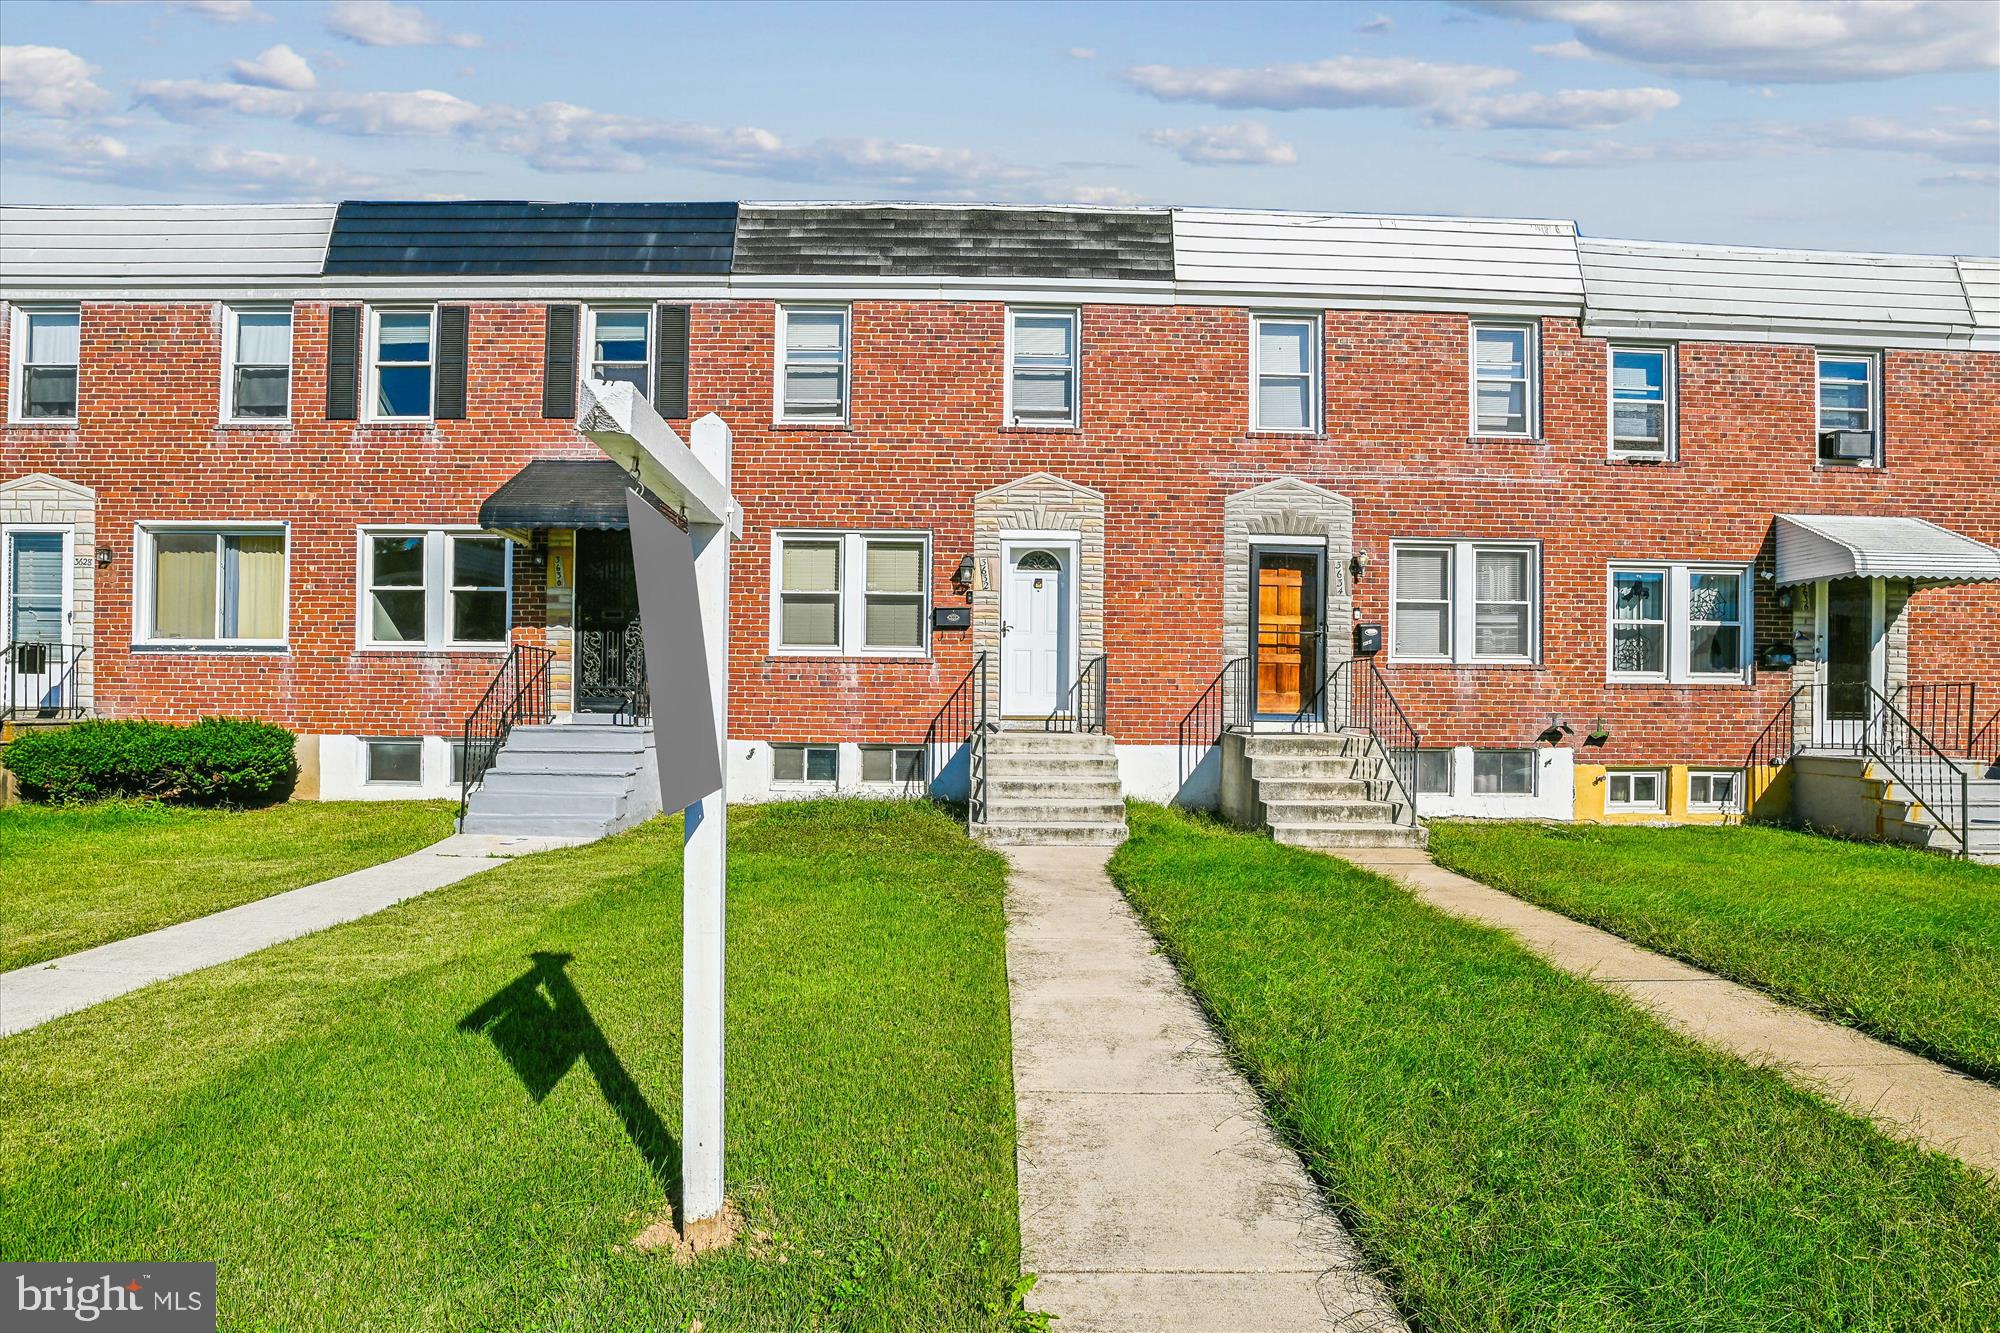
(1163, 435)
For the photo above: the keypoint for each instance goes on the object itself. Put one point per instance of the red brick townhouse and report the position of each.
(1593, 511)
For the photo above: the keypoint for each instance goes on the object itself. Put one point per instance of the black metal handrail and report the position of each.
(1355, 696)
(50, 669)
(1774, 747)
(1984, 747)
(1222, 705)
(1084, 709)
(518, 693)
(1935, 779)
(1946, 712)
(961, 723)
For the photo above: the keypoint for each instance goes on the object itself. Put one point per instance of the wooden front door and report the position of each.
(1287, 630)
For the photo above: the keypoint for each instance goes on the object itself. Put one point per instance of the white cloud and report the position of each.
(1098, 196)
(1608, 153)
(278, 67)
(1778, 41)
(386, 23)
(1082, 53)
(1984, 179)
(1573, 109)
(1976, 140)
(1340, 82)
(424, 111)
(227, 11)
(194, 99)
(49, 80)
(1245, 143)
(247, 172)
(1571, 49)
(1380, 23)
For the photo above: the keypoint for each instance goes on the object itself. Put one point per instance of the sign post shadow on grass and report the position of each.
(683, 582)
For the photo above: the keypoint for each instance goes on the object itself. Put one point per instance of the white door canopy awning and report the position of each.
(1856, 546)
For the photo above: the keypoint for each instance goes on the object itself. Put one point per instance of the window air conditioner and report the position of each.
(1848, 443)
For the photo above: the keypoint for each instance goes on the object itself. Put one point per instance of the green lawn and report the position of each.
(1898, 943)
(456, 1114)
(76, 876)
(1519, 1150)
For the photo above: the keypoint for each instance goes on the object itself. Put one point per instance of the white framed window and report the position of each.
(211, 585)
(1434, 772)
(1465, 601)
(45, 341)
(402, 364)
(816, 765)
(393, 760)
(1503, 772)
(1714, 789)
(1850, 409)
(812, 365)
(1642, 401)
(1284, 373)
(1636, 790)
(1505, 388)
(1679, 623)
(618, 345)
(1041, 367)
(884, 764)
(257, 363)
(435, 588)
(851, 593)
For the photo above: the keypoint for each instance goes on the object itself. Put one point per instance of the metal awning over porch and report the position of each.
(1855, 546)
(559, 493)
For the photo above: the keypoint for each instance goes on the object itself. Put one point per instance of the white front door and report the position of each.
(36, 580)
(1036, 645)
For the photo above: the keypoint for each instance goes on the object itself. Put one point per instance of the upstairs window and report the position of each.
(852, 593)
(1465, 602)
(435, 588)
(620, 343)
(812, 365)
(45, 346)
(1041, 367)
(1850, 432)
(1284, 373)
(1505, 365)
(400, 364)
(1642, 402)
(212, 586)
(257, 383)
(1680, 624)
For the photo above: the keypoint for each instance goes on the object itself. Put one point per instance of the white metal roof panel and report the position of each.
(1739, 294)
(118, 247)
(1982, 292)
(1840, 546)
(1362, 260)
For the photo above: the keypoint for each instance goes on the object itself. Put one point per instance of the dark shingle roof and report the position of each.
(559, 493)
(512, 237)
(955, 242)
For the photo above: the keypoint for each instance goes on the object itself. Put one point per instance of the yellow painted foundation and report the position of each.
(1592, 787)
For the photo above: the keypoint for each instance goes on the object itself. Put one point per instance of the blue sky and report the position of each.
(1790, 122)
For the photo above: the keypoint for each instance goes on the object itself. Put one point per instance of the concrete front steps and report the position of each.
(1328, 790)
(583, 778)
(1052, 788)
(1855, 797)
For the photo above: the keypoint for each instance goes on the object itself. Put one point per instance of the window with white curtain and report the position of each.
(1284, 373)
(851, 593)
(1679, 623)
(1504, 372)
(1041, 367)
(257, 374)
(435, 588)
(45, 343)
(1464, 601)
(213, 586)
(1642, 402)
(400, 364)
(812, 364)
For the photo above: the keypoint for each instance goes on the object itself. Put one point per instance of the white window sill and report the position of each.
(255, 423)
(266, 647)
(1039, 425)
(1684, 683)
(863, 655)
(61, 423)
(1502, 662)
(420, 649)
(1488, 437)
(808, 423)
(397, 421)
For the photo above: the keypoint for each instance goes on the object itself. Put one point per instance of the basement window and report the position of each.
(1503, 772)
(1713, 790)
(892, 763)
(1638, 791)
(394, 760)
(45, 344)
(815, 764)
(1434, 772)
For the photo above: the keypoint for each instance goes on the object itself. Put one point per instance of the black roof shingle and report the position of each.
(526, 239)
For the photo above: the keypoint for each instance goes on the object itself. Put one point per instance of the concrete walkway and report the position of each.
(1908, 1096)
(32, 995)
(1154, 1194)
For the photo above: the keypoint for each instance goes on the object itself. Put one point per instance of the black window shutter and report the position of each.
(451, 360)
(343, 363)
(670, 361)
(559, 362)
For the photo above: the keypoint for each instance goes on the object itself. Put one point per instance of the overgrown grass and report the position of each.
(76, 876)
(456, 1114)
(1519, 1150)
(1898, 943)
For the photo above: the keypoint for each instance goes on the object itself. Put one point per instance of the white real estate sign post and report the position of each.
(696, 482)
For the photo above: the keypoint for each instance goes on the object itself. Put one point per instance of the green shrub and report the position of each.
(217, 760)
